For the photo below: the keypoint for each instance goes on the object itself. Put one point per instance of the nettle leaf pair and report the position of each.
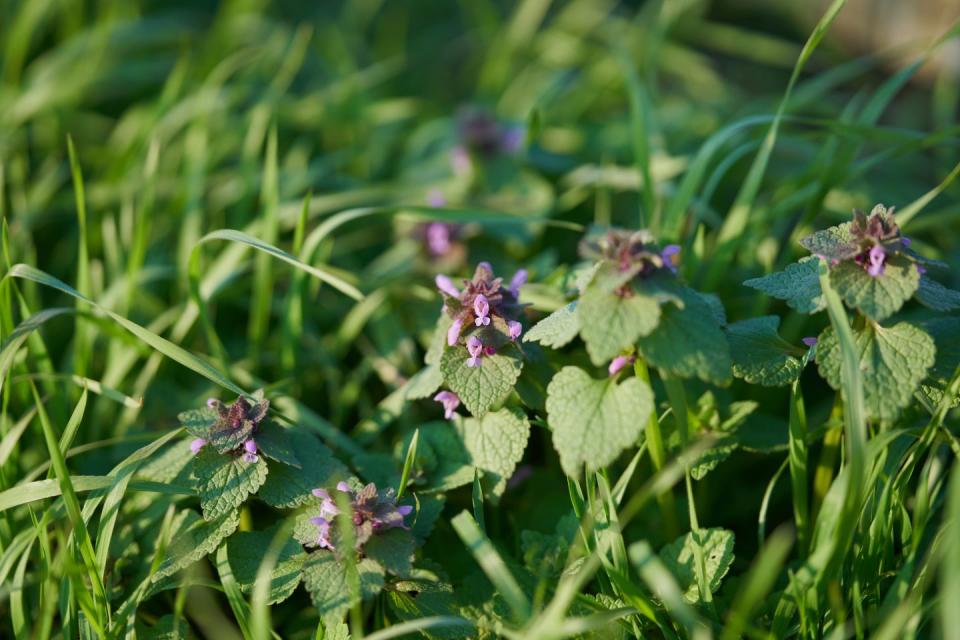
(875, 271)
(232, 446)
(632, 303)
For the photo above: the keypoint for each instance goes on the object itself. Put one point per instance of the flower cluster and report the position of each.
(869, 241)
(373, 512)
(484, 303)
(634, 253)
(481, 132)
(876, 236)
(236, 424)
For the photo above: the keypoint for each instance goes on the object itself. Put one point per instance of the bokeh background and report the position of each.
(191, 116)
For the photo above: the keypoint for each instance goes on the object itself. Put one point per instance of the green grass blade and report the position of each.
(323, 275)
(72, 503)
(738, 217)
(408, 463)
(492, 564)
(260, 303)
(162, 345)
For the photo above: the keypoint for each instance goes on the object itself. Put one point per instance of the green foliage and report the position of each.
(262, 196)
(893, 361)
(495, 444)
(876, 297)
(798, 285)
(558, 329)
(592, 420)
(287, 487)
(678, 556)
(224, 481)
(484, 386)
(689, 341)
(192, 538)
(760, 355)
(245, 552)
(611, 323)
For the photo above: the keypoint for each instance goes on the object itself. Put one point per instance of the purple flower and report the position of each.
(250, 451)
(518, 280)
(445, 285)
(618, 363)
(460, 160)
(212, 403)
(453, 333)
(921, 269)
(667, 254)
(905, 241)
(511, 140)
(481, 306)
(514, 328)
(438, 238)
(522, 473)
(489, 350)
(877, 256)
(196, 445)
(323, 538)
(328, 508)
(810, 341)
(435, 198)
(374, 511)
(450, 402)
(475, 349)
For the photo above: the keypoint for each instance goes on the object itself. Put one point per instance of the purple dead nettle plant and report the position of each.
(235, 424)
(876, 237)
(372, 512)
(484, 302)
(484, 317)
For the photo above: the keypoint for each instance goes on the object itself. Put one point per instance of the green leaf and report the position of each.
(427, 597)
(442, 457)
(678, 556)
(334, 280)
(428, 512)
(198, 422)
(192, 539)
(325, 578)
(423, 383)
(245, 552)
(287, 487)
(798, 284)
(877, 297)
(168, 627)
(594, 420)
(393, 549)
(689, 341)
(934, 295)
(760, 355)
(557, 329)
(495, 443)
(893, 363)
(835, 243)
(610, 323)
(224, 481)
(481, 387)
(946, 335)
(274, 441)
(438, 341)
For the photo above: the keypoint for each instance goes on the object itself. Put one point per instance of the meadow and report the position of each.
(477, 319)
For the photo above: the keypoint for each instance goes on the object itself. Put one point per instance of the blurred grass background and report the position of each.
(188, 117)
